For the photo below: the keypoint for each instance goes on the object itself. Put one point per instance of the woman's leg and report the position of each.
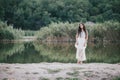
(79, 62)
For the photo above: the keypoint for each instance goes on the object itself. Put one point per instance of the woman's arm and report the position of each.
(76, 38)
(86, 38)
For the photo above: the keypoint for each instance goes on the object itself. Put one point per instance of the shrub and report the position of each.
(9, 33)
(109, 30)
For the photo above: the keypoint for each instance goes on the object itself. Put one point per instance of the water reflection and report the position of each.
(35, 52)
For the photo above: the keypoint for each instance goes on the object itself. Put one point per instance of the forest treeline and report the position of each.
(34, 14)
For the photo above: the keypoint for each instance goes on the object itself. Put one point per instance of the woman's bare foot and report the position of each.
(79, 62)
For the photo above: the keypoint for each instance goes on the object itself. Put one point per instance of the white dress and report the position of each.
(80, 52)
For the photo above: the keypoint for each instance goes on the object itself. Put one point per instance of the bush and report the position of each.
(58, 30)
(5, 34)
(9, 33)
(109, 30)
(29, 33)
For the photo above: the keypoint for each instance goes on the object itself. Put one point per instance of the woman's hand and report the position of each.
(76, 43)
(84, 44)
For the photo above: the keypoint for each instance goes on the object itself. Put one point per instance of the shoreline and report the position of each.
(59, 71)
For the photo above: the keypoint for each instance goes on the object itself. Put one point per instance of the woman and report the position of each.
(81, 43)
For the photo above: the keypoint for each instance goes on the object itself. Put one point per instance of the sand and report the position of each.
(59, 71)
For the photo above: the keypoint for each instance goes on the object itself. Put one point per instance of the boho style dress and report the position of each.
(80, 52)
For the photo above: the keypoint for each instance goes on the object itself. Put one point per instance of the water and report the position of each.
(36, 52)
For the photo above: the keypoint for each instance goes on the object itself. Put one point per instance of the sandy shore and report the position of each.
(59, 71)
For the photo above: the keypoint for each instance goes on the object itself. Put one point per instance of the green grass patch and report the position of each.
(74, 73)
(52, 71)
(117, 78)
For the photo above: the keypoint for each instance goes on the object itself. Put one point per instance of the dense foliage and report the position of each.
(7, 32)
(109, 30)
(33, 14)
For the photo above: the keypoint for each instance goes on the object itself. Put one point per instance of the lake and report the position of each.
(36, 52)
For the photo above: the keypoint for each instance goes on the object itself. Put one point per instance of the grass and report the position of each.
(43, 78)
(27, 73)
(60, 78)
(53, 71)
(90, 74)
(72, 79)
(5, 79)
(74, 73)
(35, 73)
(87, 74)
(17, 67)
(9, 79)
(117, 78)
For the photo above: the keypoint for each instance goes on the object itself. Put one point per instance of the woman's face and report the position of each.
(81, 26)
